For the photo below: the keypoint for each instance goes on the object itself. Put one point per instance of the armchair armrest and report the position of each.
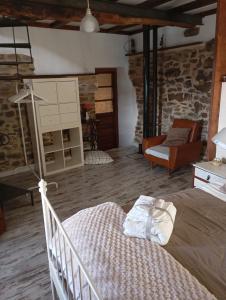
(184, 154)
(153, 141)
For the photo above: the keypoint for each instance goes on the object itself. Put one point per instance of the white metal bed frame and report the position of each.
(60, 280)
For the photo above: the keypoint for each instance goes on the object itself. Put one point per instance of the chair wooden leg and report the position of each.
(170, 172)
(153, 165)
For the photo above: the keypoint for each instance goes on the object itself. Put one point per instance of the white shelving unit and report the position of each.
(59, 124)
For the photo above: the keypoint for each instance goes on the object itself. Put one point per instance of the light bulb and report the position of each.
(89, 23)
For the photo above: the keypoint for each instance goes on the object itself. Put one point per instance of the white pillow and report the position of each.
(97, 158)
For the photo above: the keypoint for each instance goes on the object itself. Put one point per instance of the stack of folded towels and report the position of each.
(151, 219)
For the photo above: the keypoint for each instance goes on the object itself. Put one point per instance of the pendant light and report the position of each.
(89, 23)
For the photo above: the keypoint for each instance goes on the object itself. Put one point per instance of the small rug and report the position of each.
(97, 158)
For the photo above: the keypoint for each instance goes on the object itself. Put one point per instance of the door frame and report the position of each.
(113, 71)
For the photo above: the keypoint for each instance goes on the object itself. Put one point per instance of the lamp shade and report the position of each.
(220, 138)
(89, 23)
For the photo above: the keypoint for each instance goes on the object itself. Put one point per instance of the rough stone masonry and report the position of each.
(184, 85)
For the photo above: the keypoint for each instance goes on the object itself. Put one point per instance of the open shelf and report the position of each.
(54, 161)
(52, 141)
(73, 157)
(71, 137)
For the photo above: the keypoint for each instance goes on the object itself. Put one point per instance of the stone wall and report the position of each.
(184, 85)
(11, 155)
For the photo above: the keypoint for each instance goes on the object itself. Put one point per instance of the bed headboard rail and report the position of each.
(69, 277)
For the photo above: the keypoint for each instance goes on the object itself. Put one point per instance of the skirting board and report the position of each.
(16, 171)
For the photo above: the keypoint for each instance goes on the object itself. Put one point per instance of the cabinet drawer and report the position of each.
(46, 110)
(69, 118)
(50, 120)
(68, 108)
(199, 184)
(205, 175)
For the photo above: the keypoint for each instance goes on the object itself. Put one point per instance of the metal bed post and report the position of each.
(62, 270)
(43, 189)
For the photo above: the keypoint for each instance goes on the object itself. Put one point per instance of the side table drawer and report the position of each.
(199, 184)
(209, 177)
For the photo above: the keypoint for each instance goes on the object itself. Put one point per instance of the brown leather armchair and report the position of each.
(173, 157)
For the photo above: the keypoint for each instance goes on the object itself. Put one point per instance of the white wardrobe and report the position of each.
(59, 124)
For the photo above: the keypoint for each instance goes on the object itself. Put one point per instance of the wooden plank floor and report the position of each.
(23, 260)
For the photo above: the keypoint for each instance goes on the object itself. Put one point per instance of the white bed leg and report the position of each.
(54, 294)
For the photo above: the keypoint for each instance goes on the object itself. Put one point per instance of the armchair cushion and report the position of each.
(177, 136)
(158, 151)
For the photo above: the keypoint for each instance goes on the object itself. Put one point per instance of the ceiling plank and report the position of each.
(106, 12)
(192, 5)
(152, 3)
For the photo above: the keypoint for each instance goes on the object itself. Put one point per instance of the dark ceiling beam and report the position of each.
(192, 5)
(57, 24)
(118, 28)
(208, 12)
(106, 12)
(132, 32)
(152, 3)
(67, 27)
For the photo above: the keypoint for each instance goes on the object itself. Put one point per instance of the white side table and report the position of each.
(209, 177)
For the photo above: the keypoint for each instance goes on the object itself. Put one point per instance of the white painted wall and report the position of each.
(174, 36)
(60, 51)
(221, 153)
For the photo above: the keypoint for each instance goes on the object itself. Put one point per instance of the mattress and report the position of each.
(198, 241)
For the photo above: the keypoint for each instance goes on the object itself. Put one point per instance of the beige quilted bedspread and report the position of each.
(125, 268)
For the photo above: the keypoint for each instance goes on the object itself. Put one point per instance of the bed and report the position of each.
(89, 258)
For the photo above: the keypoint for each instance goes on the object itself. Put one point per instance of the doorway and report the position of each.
(106, 106)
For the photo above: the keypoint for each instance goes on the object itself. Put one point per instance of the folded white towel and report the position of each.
(152, 219)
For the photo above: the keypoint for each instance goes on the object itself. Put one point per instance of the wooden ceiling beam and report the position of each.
(106, 12)
(57, 24)
(208, 12)
(119, 28)
(152, 3)
(67, 27)
(192, 5)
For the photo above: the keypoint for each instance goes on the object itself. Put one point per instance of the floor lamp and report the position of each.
(27, 95)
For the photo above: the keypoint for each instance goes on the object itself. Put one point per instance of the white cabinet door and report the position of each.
(47, 110)
(68, 108)
(47, 90)
(67, 91)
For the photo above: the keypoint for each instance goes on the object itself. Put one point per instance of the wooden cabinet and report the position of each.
(59, 124)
